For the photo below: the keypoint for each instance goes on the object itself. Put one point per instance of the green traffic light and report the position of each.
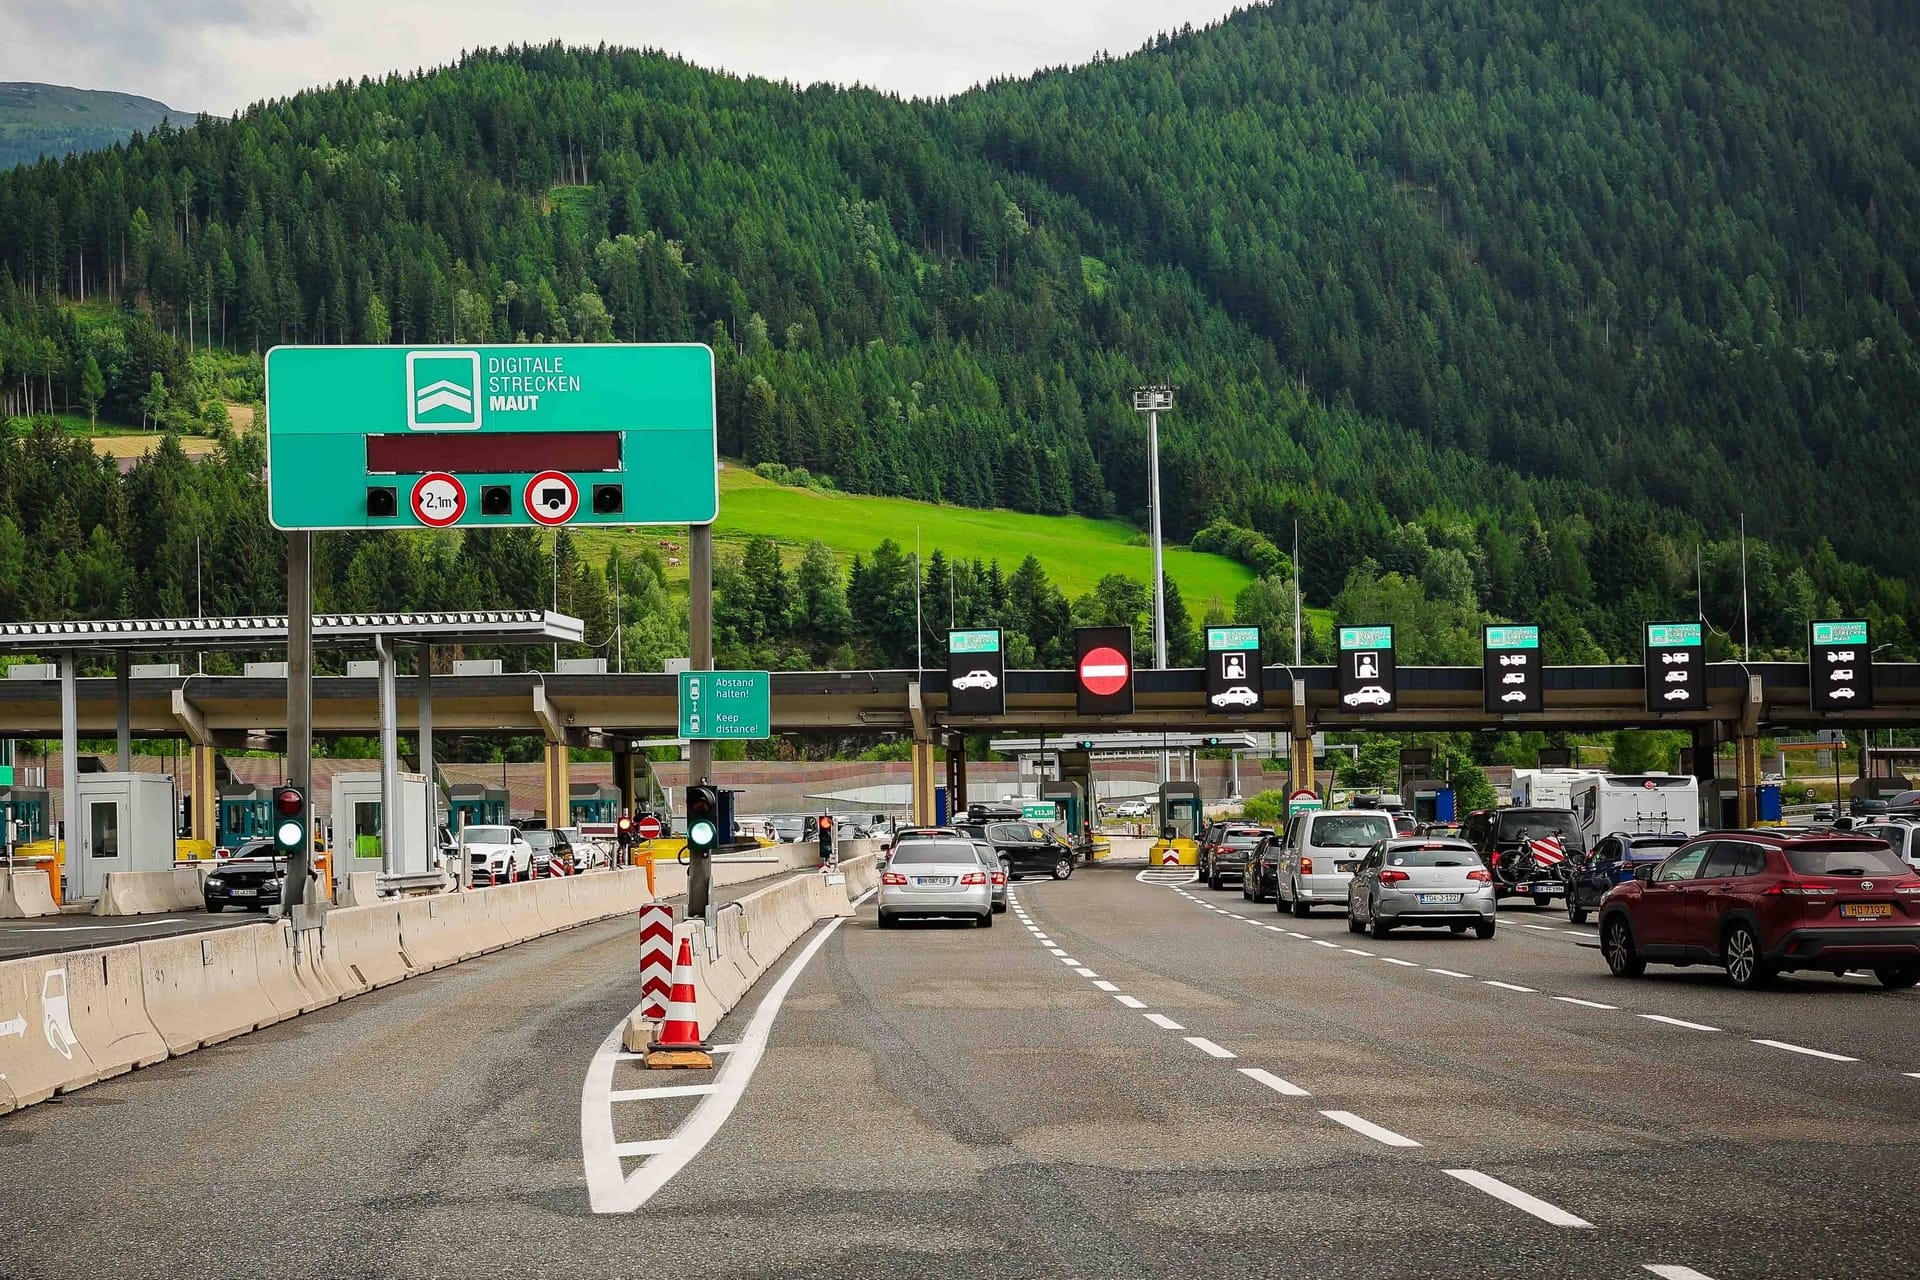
(701, 834)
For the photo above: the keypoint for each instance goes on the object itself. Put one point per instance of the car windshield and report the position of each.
(541, 839)
(487, 835)
(932, 852)
(1341, 832)
(1246, 837)
(1652, 850)
(1854, 858)
(1530, 824)
(1450, 856)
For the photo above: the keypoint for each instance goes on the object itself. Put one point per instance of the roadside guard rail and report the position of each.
(70, 1019)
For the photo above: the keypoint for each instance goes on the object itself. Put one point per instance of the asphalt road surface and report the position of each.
(44, 934)
(1133, 1080)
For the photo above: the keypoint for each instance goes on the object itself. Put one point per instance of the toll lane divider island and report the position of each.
(71, 1019)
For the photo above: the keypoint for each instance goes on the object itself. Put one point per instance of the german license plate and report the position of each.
(1866, 910)
(933, 881)
(246, 893)
(1439, 899)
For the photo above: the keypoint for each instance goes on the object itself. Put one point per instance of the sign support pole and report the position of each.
(389, 755)
(299, 705)
(700, 658)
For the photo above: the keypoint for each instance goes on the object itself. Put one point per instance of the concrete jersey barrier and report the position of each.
(202, 988)
(26, 894)
(40, 1053)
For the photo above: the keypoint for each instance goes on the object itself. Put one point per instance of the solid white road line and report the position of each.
(609, 1188)
(1668, 1271)
(1106, 986)
(641, 1057)
(1551, 1214)
(1130, 1002)
(1542, 928)
(1407, 963)
(660, 1091)
(1911, 1075)
(628, 1150)
(1163, 1022)
(1811, 1053)
(1676, 1022)
(1450, 973)
(1369, 1129)
(1508, 986)
(1086, 973)
(1209, 1048)
(1274, 1082)
(1585, 1004)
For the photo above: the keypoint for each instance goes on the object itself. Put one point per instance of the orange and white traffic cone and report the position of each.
(679, 1043)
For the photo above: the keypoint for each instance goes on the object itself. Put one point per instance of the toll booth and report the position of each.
(1071, 803)
(357, 817)
(477, 804)
(29, 807)
(1181, 820)
(589, 802)
(245, 814)
(1428, 800)
(125, 823)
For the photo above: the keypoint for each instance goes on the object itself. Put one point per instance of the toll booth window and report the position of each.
(366, 830)
(1184, 822)
(105, 821)
(236, 819)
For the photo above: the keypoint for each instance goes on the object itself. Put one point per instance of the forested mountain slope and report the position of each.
(52, 120)
(1558, 289)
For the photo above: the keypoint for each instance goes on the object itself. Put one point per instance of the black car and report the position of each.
(1233, 848)
(1505, 839)
(1261, 880)
(1024, 848)
(251, 878)
(1209, 836)
(552, 852)
(1612, 862)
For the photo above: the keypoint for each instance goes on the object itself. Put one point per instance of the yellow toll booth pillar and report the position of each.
(558, 788)
(923, 784)
(200, 790)
(1746, 755)
(1300, 746)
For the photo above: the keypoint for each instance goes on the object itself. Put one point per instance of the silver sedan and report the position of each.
(1415, 881)
(936, 878)
(996, 874)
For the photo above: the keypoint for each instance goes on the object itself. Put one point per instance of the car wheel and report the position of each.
(1578, 915)
(1483, 930)
(887, 921)
(1299, 905)
(1063, 868)
(999, 908)
(215, 908)
(1213, 880)
(1379, 928)
(1900, 975)
(1616, 943)
(1353, 921)
(1542, 899)
(1740, 956)
(986, 921)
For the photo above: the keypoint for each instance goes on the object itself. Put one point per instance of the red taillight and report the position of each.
(974, 877)
(1481, 874)
(1306, 866)
(1800, 889)
(1493, 859)
(1392, 877)
(999, 877)
(892, 877)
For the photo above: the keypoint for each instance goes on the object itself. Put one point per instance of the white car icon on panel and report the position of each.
(1371, 696)
(1513, 659)
(1670, 658)
(1515, 696)
(1676, 695)
(1845, 673)
(1840, 655)
(1515, 677)
(1238, 696)
(1839, 693)
(976, 680)
(1676, 677)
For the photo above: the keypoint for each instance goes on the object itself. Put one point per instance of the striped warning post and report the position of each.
(656, 959)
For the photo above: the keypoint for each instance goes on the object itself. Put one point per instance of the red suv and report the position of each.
(1764, 902)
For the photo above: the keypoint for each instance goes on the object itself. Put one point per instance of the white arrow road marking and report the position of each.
(13, 1027)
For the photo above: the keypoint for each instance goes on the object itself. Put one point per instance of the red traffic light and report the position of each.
(827, 822)
(289, 801)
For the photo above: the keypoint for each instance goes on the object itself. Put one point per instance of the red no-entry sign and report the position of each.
(648, 828)
(1104, 671)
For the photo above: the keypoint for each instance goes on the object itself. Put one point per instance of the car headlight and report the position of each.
(216, 882)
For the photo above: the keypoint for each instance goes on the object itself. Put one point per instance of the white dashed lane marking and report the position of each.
(1106, 986)
(1811, 1053)
(1405, 963)
(1162, 1021)
(1086, 973)
(1550, 1214)
(1274, 1082)
(1368, 1128)
(1676, 1022)
(1669, 1271)
(1209, 1048)
(1450, 973)
(1585, 1004)
(1130, 1002)
(1509, 986)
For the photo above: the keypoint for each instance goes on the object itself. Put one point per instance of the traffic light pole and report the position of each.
(700, 658)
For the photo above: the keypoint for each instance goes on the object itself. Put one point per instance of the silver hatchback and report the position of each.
(1415, 881)
(936, 878)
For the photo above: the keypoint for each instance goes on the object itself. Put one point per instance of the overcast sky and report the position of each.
(217, 55)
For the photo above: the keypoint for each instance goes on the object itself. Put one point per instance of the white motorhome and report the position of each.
(1547, 788)
(1636, 803)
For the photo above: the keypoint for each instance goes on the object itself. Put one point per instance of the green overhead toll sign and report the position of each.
(1673, 635)
(1366, 638)
(438, 437)
(1839, 633)
(1513, 637)
(1232, 638)
(725, 704)
(973, 641)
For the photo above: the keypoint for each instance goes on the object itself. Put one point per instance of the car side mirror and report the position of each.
(1644, 874)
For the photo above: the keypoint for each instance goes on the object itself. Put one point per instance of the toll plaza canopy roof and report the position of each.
(495, 626)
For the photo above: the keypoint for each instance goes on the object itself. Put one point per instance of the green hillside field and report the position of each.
(1075, 551)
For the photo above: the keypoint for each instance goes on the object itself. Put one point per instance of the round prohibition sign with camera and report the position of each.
(552, 497)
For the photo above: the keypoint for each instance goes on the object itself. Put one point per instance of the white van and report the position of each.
(1322, 849)
(1636, 804)
(1547, 788)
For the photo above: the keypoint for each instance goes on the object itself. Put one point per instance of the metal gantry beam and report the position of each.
(269, 631)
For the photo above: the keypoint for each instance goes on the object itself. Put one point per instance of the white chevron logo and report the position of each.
(443, 395)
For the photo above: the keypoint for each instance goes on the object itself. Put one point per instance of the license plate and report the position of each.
(1345, 866)
(1438, 899)
(246, 893)
(933, 881)
(1866, 910)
